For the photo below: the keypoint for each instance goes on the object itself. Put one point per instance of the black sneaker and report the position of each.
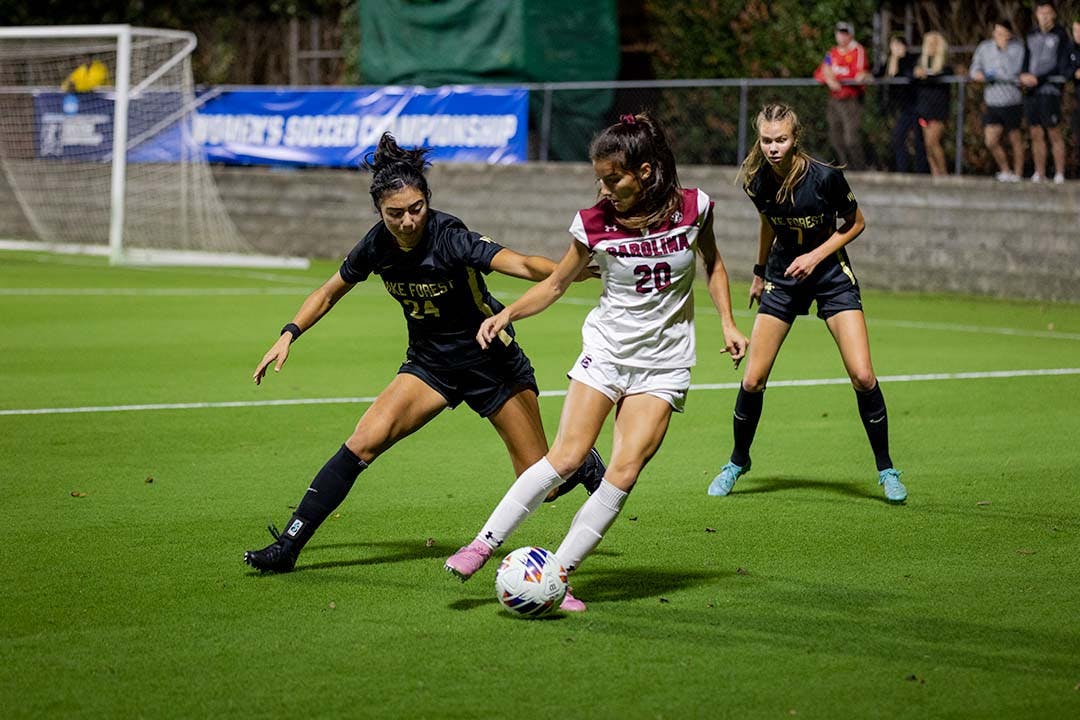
(588, 476)
(277, 557)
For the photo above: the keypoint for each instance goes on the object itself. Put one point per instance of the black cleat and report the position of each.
(588, 476)
(596, 472)
(277, 557)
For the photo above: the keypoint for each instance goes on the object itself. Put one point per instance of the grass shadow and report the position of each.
(383, 552)
(636, 583)
(783, 483)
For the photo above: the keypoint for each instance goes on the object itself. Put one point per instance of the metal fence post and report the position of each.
(545, 125)
(961, 101)
(744, 104)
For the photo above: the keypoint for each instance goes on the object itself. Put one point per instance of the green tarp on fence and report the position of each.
(428, 42)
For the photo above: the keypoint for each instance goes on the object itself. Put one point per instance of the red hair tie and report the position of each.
(628, 119)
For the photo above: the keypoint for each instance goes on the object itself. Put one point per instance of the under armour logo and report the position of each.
(676, 216)
(611, 228)
(489, 535)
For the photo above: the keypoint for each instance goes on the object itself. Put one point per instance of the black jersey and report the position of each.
(439, 285)
(807, 220)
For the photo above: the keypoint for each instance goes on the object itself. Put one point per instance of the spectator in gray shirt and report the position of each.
(1043, 76)
(997, 62)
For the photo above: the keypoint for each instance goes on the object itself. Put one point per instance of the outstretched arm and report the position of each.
(315, 306)
(530, 267)
(735, 342)
(540, 296)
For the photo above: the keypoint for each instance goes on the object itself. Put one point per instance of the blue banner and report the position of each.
(338, 127)
(330, 128)
(74, 126)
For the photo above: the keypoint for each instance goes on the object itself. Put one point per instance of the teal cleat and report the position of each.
(895, 492)
(722, 483)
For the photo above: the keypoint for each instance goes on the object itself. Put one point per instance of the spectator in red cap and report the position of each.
(846, 61)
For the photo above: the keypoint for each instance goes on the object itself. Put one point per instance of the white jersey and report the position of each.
(646, 312)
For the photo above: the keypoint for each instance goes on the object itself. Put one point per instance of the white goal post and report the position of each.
(105, 162)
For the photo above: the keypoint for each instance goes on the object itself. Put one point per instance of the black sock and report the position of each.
(330, 486)
(746, 416)
(876, 421)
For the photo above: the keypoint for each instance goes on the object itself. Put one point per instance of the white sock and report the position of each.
(524, 496)
(589, 525)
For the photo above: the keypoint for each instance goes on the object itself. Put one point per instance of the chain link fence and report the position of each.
(712, 121)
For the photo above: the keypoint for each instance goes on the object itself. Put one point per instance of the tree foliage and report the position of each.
(748, 38)
(239, 42)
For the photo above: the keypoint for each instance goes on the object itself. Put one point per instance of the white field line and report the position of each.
(86, 261)
(992, 374)
(148, 292)
(909, 324)
(212, 292)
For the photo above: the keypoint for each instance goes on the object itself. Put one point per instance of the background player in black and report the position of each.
(801, 259)
(432, 265)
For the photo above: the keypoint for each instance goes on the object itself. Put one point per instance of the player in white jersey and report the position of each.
(646, 313)
(638, 344)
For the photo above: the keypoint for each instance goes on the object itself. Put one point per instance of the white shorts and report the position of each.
(617, 381)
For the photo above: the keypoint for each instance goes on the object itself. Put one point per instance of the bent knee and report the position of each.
(623, 478)
(863, 380)
(566, 461)
(752, 384)
(367, 445)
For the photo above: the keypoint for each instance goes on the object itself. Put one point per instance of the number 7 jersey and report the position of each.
(646, 313)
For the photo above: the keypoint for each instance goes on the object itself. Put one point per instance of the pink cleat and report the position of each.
(571, 603)
(466, 561)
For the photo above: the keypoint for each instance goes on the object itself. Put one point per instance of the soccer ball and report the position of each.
(530, 582)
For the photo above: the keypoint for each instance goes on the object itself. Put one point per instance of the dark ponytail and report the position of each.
(393, 168)
(634, 140)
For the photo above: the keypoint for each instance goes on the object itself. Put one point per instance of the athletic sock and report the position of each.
(524, 496)
(589, 525)
(745, 422)
(876, 421)
(329, 487)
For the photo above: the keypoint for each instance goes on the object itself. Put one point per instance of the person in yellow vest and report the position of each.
(88, 76)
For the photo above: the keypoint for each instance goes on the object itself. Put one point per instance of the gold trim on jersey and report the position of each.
(478, 298)
(845, 268)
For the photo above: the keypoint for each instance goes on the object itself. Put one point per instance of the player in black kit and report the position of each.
(801, 259)
(432, 264)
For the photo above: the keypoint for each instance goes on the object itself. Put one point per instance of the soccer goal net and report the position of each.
(97, 153)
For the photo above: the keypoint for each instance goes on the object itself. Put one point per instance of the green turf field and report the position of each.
(801, 594)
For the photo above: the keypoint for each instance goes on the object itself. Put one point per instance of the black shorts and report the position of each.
(1008, 116)
(1043, 109)
(485, 387)
(835, 291)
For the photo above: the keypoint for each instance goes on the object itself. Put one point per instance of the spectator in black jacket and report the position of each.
(900, 106)
(1074, 67)
(1043, 76)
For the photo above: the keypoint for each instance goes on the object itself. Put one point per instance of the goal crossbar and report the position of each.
(152, 209)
